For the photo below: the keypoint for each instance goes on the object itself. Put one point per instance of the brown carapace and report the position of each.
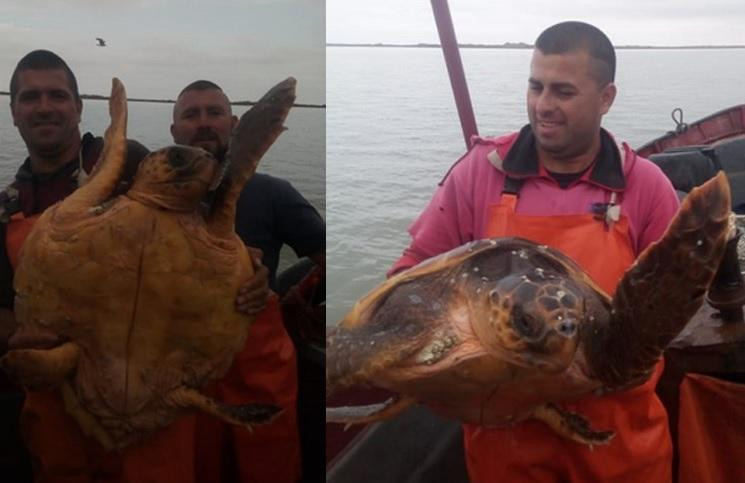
(504, 330)
(137, 292)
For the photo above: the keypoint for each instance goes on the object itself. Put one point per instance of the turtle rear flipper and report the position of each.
(571, 425)
(42, 368)
(371, 413)
(246, 415)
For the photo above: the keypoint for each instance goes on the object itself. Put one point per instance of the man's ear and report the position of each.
(233, 121)
(608, 96)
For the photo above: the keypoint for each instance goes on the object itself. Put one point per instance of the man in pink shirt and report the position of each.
(563, 181)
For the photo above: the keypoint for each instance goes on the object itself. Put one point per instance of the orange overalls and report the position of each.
(641, 451)
(264, 371)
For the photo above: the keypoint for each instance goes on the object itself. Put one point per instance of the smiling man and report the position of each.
(563, 181)
(269, 214)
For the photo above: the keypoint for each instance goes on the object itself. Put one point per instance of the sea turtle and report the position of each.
(507, 329)
(127, 304)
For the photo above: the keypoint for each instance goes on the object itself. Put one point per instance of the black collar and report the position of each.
(607, 171)
(25, 174)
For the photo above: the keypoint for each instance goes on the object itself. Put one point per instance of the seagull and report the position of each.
(101, 42)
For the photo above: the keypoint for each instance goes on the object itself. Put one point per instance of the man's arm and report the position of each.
(319, 258)
(661, 205)
(446, 222)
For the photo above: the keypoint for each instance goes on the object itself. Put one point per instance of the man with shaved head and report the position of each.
(566, 182)
(270, 213)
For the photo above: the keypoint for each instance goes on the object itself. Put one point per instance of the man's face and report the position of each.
(45, 111)
(566, 103)
(202, 118)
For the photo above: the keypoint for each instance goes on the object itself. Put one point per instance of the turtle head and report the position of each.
(176, 178)
(532, 319)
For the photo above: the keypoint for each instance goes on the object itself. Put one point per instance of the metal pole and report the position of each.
(455, 68)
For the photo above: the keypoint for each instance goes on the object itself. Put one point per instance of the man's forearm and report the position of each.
(319, 258)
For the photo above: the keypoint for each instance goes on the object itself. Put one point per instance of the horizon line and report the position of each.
(96, 97)
(522, 45)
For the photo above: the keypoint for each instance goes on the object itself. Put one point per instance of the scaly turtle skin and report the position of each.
(502, 330)
(133, 297)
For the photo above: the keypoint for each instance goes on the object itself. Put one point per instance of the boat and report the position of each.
(692, 153)
(722, 126)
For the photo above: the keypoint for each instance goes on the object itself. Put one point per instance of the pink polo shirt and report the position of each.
(458, 211)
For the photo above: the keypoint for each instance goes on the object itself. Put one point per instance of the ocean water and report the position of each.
(297, 156)
(393, 132)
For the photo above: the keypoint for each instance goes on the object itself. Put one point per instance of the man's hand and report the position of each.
(253, 294)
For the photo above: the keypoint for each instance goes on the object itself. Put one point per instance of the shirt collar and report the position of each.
(607, 170)
(25, 175)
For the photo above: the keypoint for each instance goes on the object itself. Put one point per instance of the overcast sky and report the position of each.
(640, 22)
(158, 46)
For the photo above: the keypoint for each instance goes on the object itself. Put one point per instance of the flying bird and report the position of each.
(101, 42)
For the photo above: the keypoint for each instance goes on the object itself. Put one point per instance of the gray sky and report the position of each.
(158, 46)
(640, 22)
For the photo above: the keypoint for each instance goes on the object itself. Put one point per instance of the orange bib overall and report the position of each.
(641, 450)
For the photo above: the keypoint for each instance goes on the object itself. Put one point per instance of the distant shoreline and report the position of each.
(521, 45)
(96, 97)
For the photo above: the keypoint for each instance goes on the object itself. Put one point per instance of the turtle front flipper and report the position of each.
(110, 167)
(660, 293)
(257, 130)
(42, 368)
(571, 425)
(245, 415)
(371, 413)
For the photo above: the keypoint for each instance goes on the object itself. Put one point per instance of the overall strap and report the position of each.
(510, 191)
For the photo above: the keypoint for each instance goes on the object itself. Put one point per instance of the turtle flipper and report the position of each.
(110, 167)
(350, 415)
(88, 423)
(42, 368)
(660, 293)
(257, 130)
(571, 425)
(246, 415)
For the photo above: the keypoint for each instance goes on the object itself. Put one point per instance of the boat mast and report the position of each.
(455, 69)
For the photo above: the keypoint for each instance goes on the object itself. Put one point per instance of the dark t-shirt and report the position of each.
(271, 213)
(32, 193)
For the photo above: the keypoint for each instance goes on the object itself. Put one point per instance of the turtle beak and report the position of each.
(567, 327)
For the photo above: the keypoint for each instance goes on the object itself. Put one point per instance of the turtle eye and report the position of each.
(525, 325)
(176, 158)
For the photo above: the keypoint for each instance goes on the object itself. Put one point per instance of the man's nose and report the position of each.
(44, 104)
(545, 102)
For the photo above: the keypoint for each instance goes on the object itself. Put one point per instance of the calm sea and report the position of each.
(298, 155)
(392, 132)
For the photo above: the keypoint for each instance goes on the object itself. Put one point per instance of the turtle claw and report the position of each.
(244, 415)
(572, 426)
(351, 415)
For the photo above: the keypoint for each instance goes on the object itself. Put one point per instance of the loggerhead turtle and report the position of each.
(499, 331)
(127, 304)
